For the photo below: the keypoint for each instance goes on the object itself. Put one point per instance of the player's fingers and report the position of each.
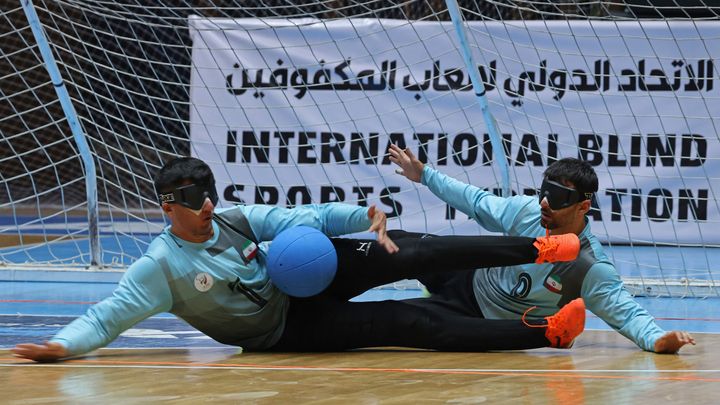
(377, 225)
(386, 242)
(394, 160)
(393, 247)
(390, 247)
(397, 151)
(23, 353)
(393, 152)
(409, 153)
(681, 339)
(27, 346)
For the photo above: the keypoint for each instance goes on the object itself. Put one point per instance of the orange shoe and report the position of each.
(557, 248)
(566, 324)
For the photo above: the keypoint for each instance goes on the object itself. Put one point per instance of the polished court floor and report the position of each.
(164, 360)
(601, 369)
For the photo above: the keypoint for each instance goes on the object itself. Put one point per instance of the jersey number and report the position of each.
(522, 288)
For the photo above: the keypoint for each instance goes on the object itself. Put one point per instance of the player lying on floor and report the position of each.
(504, 292)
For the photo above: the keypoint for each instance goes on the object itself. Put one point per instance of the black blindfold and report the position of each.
(560, 196)
(191, 196)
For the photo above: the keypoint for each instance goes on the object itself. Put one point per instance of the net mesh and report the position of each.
(127, 66)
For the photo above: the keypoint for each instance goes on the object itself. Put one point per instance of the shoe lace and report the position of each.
(526, 322)
(548, 246)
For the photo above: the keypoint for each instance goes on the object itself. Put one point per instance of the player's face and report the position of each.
(192, 225)
(555, 219)
(569, 218)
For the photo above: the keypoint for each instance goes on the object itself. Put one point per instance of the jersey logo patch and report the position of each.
(204, 282)
(552, 283)
(249, 250)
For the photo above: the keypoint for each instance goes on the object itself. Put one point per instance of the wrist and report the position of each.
(423, 174)
(60, 347)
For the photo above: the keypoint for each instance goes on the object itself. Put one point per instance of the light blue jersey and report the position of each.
(507, 292)
(220, 286)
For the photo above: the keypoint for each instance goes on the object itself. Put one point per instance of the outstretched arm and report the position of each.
(142, 292)
(606, 297)
(333, 219)
(496, 214)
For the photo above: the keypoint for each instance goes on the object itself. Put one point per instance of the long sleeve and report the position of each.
(142, 292)
(333, 219)
(496, 214)
(606, 297)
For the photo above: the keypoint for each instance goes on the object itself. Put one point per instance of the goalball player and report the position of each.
(504, 292)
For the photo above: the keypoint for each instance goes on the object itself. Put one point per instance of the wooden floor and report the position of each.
(602, 368)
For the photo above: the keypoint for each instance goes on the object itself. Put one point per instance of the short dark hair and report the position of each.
(179, 170)
(576, 171)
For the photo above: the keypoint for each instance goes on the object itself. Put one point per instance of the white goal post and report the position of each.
(296, 102)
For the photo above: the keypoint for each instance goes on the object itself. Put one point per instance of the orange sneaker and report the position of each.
(557, 248)
(565, 325)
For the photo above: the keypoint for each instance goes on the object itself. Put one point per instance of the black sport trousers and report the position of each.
(448, 320)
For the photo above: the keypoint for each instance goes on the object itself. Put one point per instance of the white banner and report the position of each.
(295, 111)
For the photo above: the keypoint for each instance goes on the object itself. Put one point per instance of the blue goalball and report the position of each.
(302, 261)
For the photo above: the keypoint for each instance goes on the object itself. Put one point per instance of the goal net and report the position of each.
(297, 102)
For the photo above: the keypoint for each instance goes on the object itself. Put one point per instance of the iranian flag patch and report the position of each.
(249, 249)
(552, 283)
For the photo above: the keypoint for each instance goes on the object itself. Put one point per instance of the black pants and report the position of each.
(449, 320)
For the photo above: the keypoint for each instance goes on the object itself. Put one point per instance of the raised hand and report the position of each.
(410, 166)
(379, 226)
(45, 352)
(672, 341)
